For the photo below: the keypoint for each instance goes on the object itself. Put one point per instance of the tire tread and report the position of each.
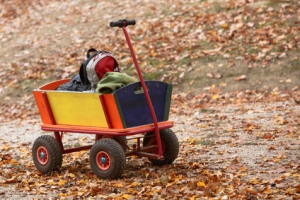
(54, 151)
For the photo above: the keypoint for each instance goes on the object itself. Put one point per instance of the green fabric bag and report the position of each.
(112, 81)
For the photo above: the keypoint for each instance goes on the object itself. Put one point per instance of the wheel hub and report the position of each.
(103, 160)
(42, 155)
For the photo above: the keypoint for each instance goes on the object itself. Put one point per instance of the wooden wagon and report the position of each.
(140, 109)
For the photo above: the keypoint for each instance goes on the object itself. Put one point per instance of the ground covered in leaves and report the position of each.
(236, 146)
(197, 45)
(235, 70)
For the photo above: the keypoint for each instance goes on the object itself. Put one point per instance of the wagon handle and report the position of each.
(122, 23)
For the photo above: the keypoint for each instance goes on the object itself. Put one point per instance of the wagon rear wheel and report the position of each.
(118, 138)
(124, 139)
(107, 159)
(170, 146)
(46, 153)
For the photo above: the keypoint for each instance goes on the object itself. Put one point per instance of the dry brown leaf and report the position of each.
(241, 77)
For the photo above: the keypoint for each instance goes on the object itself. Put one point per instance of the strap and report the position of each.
(89, 51)
(82, 70)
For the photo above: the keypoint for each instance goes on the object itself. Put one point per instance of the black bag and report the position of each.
(80, 82)
(75, 84)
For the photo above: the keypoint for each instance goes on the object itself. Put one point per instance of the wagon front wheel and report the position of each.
(170, 146)
(107, 159)
(46, 153)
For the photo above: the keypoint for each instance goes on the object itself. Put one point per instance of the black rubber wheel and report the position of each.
(46, 153)
(170, 146)
(124, 140)
(107, 159)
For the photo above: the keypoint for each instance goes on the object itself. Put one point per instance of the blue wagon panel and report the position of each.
(133, 107)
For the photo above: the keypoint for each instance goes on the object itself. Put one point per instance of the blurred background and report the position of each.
(213, 46)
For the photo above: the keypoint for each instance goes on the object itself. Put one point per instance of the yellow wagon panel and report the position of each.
(77, 108)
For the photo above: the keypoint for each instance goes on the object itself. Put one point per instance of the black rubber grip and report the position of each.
(122, 23)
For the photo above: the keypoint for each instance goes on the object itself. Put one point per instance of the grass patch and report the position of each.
(249, 143)
(76, 145)
(154, 62)
(237, 110)
(206, 142)
(295, 65)
(252, 50)
(212, 135)
(205, 45)
(205, 110)
(216, 7)
(185, 61)
(152, 76)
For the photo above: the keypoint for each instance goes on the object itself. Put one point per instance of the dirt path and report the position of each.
(237, 150)
(231, 149)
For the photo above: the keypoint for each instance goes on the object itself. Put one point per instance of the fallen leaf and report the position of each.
(239, 78)
(201, 184)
